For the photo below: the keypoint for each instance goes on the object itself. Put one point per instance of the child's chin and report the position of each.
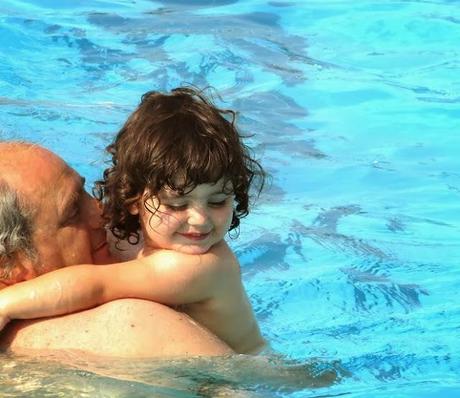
(193, 249)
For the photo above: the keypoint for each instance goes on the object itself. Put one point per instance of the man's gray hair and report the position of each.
(16, 227)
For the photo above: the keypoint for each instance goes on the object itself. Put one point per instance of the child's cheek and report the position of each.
(226, 218)
(171, 220)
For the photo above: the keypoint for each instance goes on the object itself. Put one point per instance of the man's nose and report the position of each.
(93, 213)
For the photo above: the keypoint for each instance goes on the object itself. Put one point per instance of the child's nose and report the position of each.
(198, 215)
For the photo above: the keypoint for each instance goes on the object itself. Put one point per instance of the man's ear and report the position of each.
(22, 270)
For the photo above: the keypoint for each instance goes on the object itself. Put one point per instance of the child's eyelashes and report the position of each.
(185, 206)
(219, 203)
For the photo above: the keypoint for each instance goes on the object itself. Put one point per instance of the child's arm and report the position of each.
(165, 276)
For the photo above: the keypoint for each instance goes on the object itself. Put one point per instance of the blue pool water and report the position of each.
(352, 253)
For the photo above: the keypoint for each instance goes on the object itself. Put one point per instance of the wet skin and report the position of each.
(68, 231)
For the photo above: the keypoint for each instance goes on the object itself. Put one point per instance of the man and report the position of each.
(47, 221)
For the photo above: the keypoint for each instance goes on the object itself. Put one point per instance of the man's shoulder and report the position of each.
(129, 328)
(90, 329)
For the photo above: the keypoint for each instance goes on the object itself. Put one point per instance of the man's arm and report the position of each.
(165, 276)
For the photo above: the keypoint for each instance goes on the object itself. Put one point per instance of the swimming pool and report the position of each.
(352, 252)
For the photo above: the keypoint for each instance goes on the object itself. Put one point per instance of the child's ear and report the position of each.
(134, 208)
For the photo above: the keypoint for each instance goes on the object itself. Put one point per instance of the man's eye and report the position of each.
(72, 218)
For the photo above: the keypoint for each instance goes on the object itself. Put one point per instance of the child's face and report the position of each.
(190, 223)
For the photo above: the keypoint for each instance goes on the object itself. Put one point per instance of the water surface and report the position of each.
(351, 254)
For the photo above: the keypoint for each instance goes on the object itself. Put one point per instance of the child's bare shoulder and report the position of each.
(219, 258)
(220, 250)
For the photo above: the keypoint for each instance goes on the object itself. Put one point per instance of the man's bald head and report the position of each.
(20, 161)
(47, 220)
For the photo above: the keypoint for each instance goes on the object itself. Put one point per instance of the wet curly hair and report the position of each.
(181, 133)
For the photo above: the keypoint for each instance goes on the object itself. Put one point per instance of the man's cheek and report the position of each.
(74, 247)
(102, 256)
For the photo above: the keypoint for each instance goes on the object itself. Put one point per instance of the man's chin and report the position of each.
(102, 255)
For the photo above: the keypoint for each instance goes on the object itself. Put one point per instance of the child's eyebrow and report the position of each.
(169, 193)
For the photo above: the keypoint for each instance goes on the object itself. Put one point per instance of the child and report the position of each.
(180, 175)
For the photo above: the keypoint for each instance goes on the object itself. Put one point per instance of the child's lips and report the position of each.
(195, 235)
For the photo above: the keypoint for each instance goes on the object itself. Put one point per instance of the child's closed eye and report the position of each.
(218, 203)
(184, 206)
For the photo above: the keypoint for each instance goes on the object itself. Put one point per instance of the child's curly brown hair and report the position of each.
(181, 134)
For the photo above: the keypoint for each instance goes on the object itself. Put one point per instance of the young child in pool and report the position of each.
(180, 175)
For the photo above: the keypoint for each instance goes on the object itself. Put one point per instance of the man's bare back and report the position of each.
(128, 328)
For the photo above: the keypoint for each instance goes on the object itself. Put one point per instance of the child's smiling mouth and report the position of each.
(196, 236)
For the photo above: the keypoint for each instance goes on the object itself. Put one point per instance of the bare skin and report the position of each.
(196, 272)
(207, 287)
(68, 230)
(124, 328)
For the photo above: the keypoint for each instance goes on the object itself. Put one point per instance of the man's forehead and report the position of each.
(32, 170)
